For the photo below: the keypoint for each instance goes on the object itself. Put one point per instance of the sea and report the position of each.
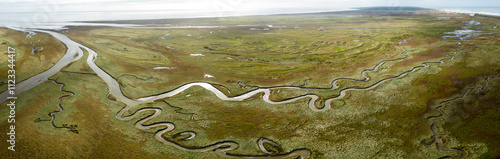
(490, 10)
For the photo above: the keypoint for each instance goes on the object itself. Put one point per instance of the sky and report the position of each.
(51, 11)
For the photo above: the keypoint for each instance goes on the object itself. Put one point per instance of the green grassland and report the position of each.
(388, 121)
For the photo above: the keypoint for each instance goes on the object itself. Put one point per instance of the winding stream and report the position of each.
(363, 73)
(53, 114)
(267, 91)
(334, 85)
(436, 139)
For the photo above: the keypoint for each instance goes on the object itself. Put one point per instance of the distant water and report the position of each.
(52, 18)
(494, 10)
(57, 19)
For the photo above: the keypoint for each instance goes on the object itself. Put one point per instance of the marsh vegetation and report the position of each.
(413, 69)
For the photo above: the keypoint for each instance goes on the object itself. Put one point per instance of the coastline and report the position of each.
(138, 22)
(490, 11)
